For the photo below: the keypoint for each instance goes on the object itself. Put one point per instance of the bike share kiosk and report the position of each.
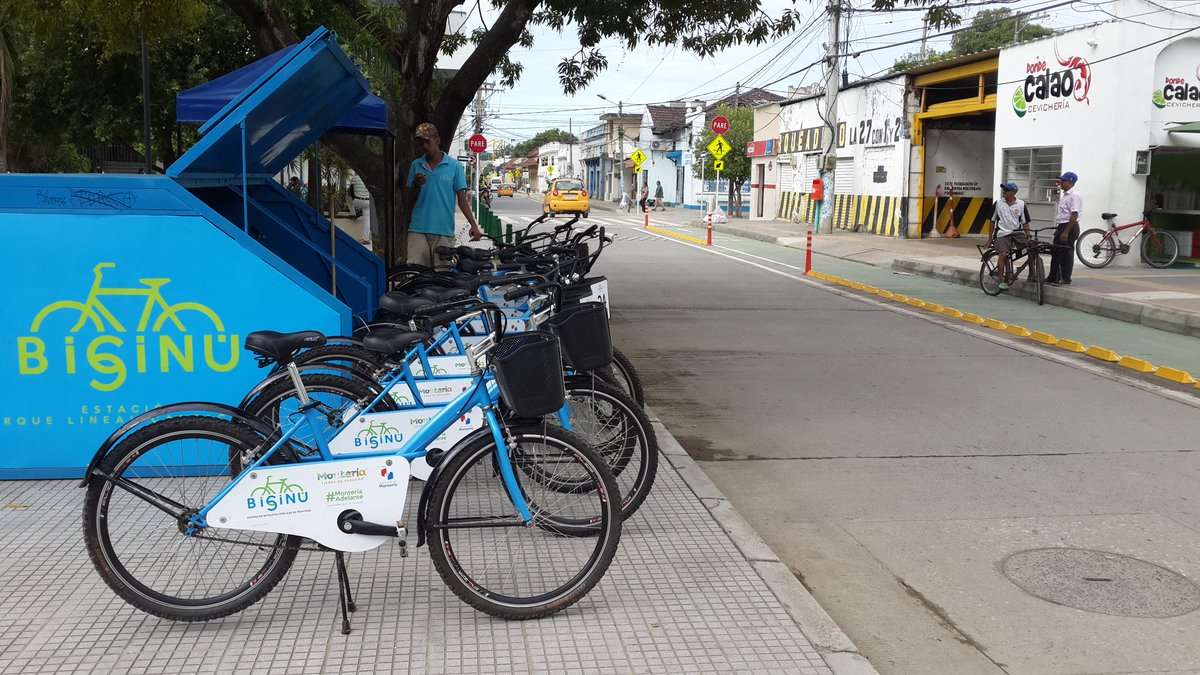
(125, 292)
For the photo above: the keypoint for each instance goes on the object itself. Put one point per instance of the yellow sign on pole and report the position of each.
(718, 165)
(637, 156)
(718, 147)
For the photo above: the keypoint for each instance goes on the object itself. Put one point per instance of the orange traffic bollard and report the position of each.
(709, 227)
(808, 253)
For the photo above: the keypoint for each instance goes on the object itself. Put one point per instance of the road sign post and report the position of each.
(478, 145)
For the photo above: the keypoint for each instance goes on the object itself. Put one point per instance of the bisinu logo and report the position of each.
(377, 434)
(273, 495)
(106, 348)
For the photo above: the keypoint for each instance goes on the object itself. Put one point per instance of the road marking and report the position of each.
(1024, 345)
(1155, 295)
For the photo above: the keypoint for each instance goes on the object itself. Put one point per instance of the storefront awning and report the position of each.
(1185, 128)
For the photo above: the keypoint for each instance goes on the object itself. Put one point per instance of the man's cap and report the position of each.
(1008, 187)
(426, 131)
(1069, 176)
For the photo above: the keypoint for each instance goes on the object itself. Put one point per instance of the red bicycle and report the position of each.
(1097, 247)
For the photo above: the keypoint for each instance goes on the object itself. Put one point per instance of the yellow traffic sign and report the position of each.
(637, 156)
(719, 147)
(550, 170)
(718, 165)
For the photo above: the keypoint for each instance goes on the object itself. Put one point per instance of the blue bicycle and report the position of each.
(196, 511)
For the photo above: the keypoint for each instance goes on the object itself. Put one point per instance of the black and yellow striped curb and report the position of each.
(1105, 354)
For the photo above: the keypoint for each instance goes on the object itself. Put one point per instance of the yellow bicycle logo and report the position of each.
(162, 341)
(275, 487)
(94, 310)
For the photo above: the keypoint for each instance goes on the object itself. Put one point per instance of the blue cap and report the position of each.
(1008, 187)
(1069, 176)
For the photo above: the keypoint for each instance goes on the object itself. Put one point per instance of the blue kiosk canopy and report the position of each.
(200, 104)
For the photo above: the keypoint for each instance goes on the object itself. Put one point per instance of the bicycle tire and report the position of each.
(633, 457)
(1169, 244)
(449, 562)
(1103, 249)
(626, 377)
(97, 523)
(987, 270)
(1039, 279)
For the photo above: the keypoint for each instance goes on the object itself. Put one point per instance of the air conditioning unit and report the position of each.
(657, 144)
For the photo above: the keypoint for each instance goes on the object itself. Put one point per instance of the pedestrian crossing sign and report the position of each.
(637, 156)
(718, 165)
(719, 147)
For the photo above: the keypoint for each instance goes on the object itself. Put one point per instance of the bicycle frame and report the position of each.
(1114, 230)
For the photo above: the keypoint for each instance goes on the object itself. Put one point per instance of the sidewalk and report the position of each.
(1164, 299)
(692, 589)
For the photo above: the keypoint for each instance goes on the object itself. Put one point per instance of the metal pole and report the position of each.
(831, 91)
(389, 223)
(621, 146)
(146, 106)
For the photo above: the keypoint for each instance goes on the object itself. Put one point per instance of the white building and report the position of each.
(558, 160)
(666, 135)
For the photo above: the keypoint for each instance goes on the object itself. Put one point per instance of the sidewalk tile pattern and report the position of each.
(679, 598)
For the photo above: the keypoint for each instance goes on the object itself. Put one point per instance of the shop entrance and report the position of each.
(1173, 190)
(954, 147)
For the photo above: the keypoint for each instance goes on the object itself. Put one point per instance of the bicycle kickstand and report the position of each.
(345, 600)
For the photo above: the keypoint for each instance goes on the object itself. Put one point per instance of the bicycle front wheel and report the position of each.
(1095, 248)
(1159, 249)
(989, 276)
(493, 561)
(157, 477)
(1038, 278)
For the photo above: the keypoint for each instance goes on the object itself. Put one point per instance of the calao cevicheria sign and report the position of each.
(1052, 85)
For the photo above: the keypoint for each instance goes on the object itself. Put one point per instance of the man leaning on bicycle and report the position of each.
(1010, 229)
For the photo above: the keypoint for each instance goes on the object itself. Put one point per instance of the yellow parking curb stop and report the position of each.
(994, 324)
(1071, 346)
(1103, 353)
(914, 302)
(952, 313)
(972, 318)
(1176, 376)
(887, 295)
(1134, 363)
(1044, 338)
(1019, 331)
(933, 307)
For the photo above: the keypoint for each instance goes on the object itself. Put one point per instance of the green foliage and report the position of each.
(541, 138)
(741, 132)
(989, 29)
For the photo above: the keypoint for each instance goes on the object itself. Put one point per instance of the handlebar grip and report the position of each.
(562, 228)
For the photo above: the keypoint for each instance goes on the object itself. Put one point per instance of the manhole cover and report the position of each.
(1102, 582)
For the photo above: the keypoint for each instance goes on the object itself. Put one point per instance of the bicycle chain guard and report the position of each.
(306, 499)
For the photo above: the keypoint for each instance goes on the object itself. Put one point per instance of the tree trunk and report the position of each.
(7, 73)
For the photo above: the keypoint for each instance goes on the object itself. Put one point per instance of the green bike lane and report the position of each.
(1127, 339)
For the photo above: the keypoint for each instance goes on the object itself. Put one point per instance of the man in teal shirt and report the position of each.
(441, 181)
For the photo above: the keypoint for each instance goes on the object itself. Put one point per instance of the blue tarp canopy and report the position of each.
(199, 104)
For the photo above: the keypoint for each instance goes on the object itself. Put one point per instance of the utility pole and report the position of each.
(924, 38)
(571, 147)
(621, 148)
(829, 159)
(737, 100)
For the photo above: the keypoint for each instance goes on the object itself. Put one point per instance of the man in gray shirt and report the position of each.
(1010, 225)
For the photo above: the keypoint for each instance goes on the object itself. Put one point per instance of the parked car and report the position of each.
(566, 195)
(506, 190)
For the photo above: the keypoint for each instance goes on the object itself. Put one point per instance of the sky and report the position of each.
(654, 75)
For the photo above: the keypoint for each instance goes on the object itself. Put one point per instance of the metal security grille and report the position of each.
(812, 171)
(786, 177)
(1034, 170)
(844, 176)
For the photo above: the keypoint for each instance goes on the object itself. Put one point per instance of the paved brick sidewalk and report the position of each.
(680, 597)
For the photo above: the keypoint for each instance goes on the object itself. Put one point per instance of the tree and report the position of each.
(737, 164)
(398, 44)
(541, 138)
(989, 29)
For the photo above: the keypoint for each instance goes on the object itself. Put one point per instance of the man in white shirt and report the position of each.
(1066, 219)
(1010, 225)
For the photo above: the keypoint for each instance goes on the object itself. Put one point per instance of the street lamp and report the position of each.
(620, 143)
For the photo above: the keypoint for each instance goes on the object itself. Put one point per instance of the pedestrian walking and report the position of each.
(1066, 221)
(658, 196)
(440, 181)
(645, 196)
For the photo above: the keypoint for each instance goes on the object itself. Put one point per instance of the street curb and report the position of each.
(838, 650)
(1161, 318)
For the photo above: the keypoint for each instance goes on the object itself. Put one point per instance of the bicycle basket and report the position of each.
(583, 332)
(528, 368)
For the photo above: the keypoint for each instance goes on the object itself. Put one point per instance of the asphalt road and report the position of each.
(898, 465)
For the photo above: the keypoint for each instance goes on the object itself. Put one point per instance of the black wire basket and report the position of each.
(583, 331)
(528, 368)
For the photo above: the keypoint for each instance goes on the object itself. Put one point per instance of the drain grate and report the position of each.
(1102, 582)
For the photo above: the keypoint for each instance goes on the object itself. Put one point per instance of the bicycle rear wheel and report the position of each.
(989, 276)
(626, 377)
(1038, 277)
(1160, 249)
(1095, 248)
(495, 563)
(132, 523)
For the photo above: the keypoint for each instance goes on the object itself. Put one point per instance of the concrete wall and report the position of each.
(958, 163)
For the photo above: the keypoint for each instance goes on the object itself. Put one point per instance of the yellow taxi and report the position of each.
(505, 190)
(566, 195)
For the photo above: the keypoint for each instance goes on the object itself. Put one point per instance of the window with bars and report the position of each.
(1035, 171)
